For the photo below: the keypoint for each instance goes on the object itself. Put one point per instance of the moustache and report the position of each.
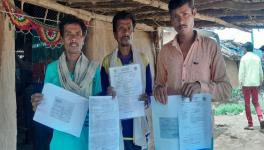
(74, 44)
(125, 37)
(182, 26)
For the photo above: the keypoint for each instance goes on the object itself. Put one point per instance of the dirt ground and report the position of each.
(230, 134)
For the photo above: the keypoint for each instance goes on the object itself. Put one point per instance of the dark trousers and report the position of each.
(129, 145)
(42, 136)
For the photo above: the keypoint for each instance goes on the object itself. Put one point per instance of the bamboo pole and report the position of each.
(82, 14)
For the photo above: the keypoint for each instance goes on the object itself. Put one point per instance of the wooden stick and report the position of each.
(46, 14)
(58, 18)
(22, 5)
(82, 14)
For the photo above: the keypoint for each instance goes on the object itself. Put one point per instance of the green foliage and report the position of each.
(236, 95)
(229, 109)
(235, 108)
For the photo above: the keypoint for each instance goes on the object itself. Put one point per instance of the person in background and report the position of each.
(262, 49)
(250, 79)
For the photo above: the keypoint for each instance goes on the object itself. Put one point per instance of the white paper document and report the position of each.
(127, 83)
(182, 124)
(166, 124)
(62, 110)
(103, 123)
(195, 122)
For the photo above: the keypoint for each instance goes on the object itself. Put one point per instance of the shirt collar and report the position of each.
(129, 56)
(197, 38)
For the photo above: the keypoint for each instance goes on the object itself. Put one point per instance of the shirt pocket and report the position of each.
(200, 69)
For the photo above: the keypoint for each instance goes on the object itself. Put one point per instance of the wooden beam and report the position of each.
(106, 4)
(254, 20)
(232, 5)
(244, 24)
(85, 15)
(154, 3)
(219, 21)
(231, 13)
(81, 1)
(202, 2)
(82, 14)
(164, 6)
(108, 10)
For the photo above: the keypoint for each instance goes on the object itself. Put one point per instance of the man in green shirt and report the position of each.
(73, 72)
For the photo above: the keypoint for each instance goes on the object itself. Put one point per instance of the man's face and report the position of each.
(73, 38)
(182, 19)
(124, 32)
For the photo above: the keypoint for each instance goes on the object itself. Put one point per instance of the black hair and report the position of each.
(174, 4)
(248, 46)
(262, 48)
(69, 19)
(123, 15)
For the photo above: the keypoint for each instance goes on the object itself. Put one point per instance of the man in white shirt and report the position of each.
(251, 78)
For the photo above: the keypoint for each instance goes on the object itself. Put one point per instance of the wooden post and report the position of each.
(252, 37)
(8, 127)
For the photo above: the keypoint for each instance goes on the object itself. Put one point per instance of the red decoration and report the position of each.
(49, 35)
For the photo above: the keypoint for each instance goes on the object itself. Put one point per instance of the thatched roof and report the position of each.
(232, 50)
(241, 14)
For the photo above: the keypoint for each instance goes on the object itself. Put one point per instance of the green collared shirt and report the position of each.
(61, 140)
